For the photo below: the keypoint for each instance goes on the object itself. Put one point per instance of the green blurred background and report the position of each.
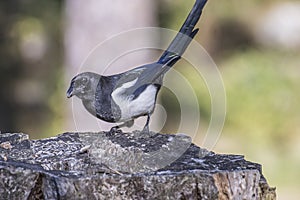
(255, 44)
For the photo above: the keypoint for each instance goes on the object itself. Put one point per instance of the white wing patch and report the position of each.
(128, 84)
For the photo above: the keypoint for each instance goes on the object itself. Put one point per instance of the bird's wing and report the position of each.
(135, 81)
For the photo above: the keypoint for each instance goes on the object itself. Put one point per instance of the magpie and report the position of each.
(123, 97)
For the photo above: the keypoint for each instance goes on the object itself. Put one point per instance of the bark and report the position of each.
(123, 166)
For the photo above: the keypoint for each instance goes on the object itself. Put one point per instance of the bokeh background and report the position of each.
(255, 44)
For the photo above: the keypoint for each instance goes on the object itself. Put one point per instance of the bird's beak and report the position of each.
(70, 91)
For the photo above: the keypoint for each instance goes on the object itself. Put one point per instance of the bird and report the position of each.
(123, 97)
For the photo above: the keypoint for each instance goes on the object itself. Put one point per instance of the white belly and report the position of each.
(142, 105)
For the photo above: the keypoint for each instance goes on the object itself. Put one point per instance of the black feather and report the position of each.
(184, 36)
(106, 108)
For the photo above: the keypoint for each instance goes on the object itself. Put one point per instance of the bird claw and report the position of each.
(113, 130)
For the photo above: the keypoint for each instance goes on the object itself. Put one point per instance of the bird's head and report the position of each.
(83, 85)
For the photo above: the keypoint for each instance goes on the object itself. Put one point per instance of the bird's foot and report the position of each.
(116, 129)
(113, 130)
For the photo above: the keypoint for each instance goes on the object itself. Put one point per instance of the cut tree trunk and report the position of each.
(123, 166)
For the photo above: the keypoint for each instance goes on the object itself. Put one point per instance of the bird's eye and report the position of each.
(84, 80)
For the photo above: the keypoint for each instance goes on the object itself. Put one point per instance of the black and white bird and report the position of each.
(121, 98)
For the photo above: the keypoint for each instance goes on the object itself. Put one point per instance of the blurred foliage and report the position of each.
(263, 113)
(262, 87)
(31, 63)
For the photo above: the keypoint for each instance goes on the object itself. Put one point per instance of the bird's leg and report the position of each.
(127, 124)
(146, 127)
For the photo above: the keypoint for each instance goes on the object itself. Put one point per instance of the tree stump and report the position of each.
(123, 166)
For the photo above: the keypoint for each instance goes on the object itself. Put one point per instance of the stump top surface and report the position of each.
(79, 153)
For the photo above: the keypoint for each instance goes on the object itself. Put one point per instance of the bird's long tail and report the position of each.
(184, 36)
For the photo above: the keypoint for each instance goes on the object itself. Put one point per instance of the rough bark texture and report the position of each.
(123, 166)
